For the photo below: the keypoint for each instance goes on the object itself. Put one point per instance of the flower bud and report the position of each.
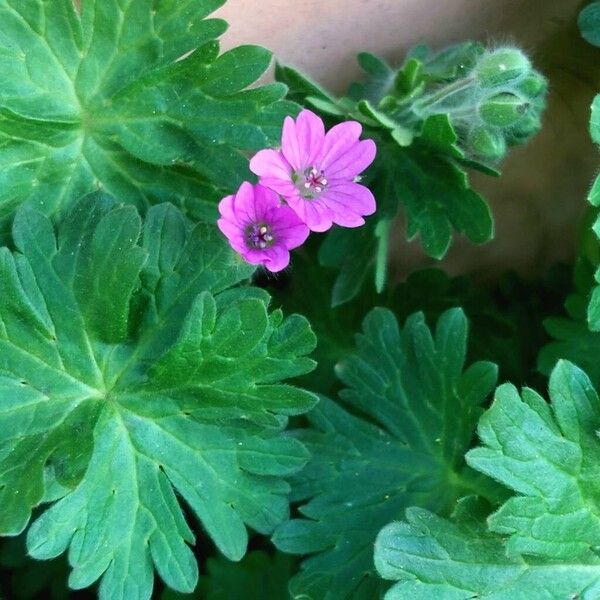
(486, 143)
(533, 86)
(529, 125)
(503, 110)
(501, 67)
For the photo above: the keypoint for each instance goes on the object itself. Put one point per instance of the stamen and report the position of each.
(311, 182)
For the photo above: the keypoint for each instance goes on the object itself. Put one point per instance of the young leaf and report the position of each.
(414, 414)
(431, 557)
(130, 372)
(103, 98)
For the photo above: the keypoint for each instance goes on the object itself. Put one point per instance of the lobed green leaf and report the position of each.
(431, 557)
(131, 96)
(543, 540)
(132, 371)
(412, 410)
(549, 455)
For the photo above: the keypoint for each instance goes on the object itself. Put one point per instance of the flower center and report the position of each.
(311, 182)
(259, 236)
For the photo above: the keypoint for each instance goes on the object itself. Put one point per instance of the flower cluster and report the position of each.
(308, 185)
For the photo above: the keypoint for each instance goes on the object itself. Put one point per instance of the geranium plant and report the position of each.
(209, 385)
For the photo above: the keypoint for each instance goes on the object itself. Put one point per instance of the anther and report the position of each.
(314, 182)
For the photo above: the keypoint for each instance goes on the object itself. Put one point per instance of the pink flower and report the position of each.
(260, 227)
(316, 172)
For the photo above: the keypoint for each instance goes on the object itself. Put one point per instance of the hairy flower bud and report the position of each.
(501, 67)
(529, 125)
(533, 86)
(486, 143)
(503, 110)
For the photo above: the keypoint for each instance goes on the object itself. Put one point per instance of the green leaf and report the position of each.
(299, 85)
(439, 135)
(352, 253)
(594, 195)
(549, 454)
(437, 199)
(102, 98)
(380, 78)
(593, 310)
(452, 62)
(131, 376)
(541, 542)
(593, 307)
(572, 340)
(589, 23)
(571, 336)
(257, 576)
(595, 120)
(414, 409)
(334, 327)
(430, 557)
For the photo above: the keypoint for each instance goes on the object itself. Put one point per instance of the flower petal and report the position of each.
(265, 201)
(302, 140)
(226, 208)
(274, 171)
(234, 235)
(314, 213)
(338, 140)
(254, 257)
(354, 161)
(350, 197)
(291, 233)
(243, 204)
(348, 219)
(277, 258)
(270, 163)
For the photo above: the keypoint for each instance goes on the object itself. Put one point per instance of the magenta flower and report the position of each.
(316, 172)
(260, 227)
